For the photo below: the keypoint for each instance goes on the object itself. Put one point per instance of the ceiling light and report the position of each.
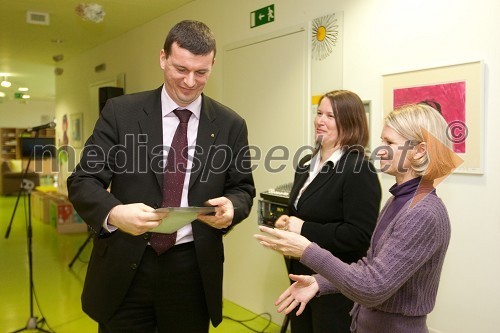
(5, 83)
(92, 12)
(23, 89)
(2, 94)
(26, 96)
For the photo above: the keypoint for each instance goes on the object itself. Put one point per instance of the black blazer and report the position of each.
(124, 153)
(340, 206)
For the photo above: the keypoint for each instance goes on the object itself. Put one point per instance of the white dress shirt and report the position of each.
(314, 169)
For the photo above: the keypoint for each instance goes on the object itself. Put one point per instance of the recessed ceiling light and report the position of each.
(23, 89)
(26, 96)
(5, 83)
(2, 94)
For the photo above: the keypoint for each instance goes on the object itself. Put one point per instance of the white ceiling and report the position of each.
(27, 50)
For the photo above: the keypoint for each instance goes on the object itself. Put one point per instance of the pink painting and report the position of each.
(450, 96)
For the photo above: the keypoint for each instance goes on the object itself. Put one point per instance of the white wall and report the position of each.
(410, 35)
(381, 36)
(26, 114)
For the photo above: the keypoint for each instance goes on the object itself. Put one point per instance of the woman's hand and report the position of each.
(299, 293)
(288, 243)
(289, 223)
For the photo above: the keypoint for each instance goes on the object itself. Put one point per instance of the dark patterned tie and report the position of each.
(173, 179)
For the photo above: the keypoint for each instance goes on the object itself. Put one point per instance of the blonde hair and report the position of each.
(421, 123)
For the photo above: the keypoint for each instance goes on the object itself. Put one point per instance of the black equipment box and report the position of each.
(273, 204)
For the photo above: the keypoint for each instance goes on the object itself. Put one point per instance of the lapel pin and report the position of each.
(212, 135)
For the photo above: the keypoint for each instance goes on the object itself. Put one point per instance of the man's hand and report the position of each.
(224, 213)
(135, 219)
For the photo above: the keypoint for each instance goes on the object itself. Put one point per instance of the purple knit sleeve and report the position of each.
(314, 255)
(414, 238)
(325, 286)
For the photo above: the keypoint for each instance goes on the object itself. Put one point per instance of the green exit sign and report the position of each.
(18, 95)
(262, 16)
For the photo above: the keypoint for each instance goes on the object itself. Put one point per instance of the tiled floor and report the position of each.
(57, 287)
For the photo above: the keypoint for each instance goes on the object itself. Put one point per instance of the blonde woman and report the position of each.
(394, 287)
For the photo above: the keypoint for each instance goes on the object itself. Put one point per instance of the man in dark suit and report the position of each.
(130, 286)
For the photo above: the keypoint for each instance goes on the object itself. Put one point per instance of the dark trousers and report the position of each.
(327, 313)
(166, 296)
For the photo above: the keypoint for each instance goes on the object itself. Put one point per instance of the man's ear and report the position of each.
(420, 150)
(163, 59)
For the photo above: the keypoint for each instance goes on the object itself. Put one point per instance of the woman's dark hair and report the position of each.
(433, 104)
(350, 117)
(194, 36)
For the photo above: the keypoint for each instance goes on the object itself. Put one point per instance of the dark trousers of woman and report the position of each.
(325, 314)
(328, 313)
(166, 296)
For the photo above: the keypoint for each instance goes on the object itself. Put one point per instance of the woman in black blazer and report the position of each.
(334, 202)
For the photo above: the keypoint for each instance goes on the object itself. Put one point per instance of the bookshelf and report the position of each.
(9, 140)
(9, 143)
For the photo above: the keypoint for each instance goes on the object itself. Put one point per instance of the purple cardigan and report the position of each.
(396, 284)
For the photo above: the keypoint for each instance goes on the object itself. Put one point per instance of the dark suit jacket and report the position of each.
(124, 153)
(340, 206)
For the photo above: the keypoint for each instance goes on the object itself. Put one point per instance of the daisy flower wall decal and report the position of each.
(324, 36)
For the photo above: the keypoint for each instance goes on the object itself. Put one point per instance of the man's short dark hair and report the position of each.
(194, 36)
